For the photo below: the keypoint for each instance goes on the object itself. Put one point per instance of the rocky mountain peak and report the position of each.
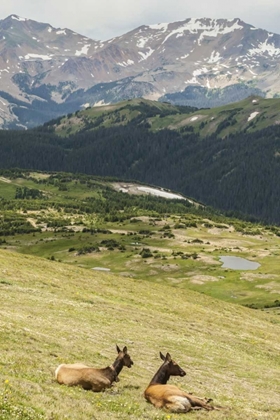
(58, 66)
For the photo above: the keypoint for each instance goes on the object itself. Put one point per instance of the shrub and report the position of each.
(146, 253)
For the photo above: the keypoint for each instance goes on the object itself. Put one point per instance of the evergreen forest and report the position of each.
(237, 173)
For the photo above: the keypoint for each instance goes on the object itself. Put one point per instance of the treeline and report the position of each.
(239, 174)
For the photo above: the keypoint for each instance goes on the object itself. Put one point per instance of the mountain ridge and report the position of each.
(55, 71)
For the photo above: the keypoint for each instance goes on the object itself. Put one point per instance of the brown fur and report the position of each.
(91, 378)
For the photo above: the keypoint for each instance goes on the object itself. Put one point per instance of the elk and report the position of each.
(170, 397)
(91, 378)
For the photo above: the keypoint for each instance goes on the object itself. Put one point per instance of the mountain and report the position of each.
(46, 72)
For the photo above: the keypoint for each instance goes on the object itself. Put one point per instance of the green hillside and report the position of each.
(140, 111)
(53, 313)
(84, 221)
(251, 114)
(227, 158)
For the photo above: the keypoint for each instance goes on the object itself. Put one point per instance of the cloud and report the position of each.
(109, 18)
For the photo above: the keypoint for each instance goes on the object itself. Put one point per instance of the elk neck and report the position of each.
(109, 372)
(118, 365)
(162, 376)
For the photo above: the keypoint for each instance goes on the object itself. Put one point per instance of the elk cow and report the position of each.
(91, 378)
(170, 397)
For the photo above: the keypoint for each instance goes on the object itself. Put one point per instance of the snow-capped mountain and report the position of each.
(46, 72)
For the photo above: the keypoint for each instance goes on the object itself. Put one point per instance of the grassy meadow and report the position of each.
(182, 250)
(166, 291)
(52, 312)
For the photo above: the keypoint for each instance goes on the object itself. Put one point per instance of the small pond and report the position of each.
(237, 263)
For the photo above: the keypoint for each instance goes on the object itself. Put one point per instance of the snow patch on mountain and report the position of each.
(146, 55)
(126, 63)
(215, 57)
(213, 29)
(253, 115)
(198, 72)
(61, 32)
(159, 27)
(38, 56)
(142, 42)
(84, 50)
(265, 47)
(160, 193)
(18, 18)
(192, 81)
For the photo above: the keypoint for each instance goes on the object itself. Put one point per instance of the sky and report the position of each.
(105, 19)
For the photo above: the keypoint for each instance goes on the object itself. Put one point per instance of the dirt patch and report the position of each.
(166, 267)
(127, 274)
(32, 222)
(202, 279)
(153, 273)
(4, 179)
(75, 228)
(254, 276)
(271, 287)
(39, 175)
(208, 259)
(218, 231)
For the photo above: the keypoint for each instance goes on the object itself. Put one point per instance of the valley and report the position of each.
(136, 239)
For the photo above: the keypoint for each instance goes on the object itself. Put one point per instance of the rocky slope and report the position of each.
(46, 72)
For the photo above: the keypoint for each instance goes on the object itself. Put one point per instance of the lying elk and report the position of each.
(91, 378)
(170, 397)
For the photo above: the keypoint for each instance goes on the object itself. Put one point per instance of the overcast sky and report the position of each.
(104, 19)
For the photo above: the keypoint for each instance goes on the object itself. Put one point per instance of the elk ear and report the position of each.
(118, 349)
(162, 356)
(125, 350)
(168, 357)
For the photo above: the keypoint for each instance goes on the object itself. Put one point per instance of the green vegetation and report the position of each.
(137, 111)
(222, 121)
(165, 291)
(227, 157)
(90, 224)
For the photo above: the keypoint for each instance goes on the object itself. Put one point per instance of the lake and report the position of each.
(238, 263)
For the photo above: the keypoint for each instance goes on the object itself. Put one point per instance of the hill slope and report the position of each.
(227, 158)
(52, 313)
(246, 116)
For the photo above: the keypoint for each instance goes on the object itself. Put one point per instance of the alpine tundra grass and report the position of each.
(54, 313)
